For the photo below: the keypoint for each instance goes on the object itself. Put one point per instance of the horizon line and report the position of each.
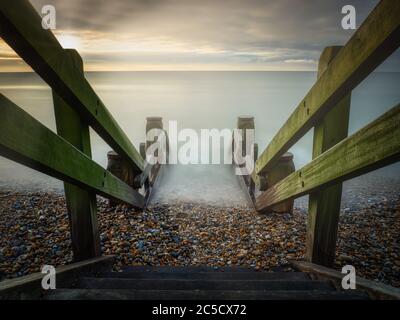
(125, 71)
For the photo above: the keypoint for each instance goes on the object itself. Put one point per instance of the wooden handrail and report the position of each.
(376, 39)
(29, 286)
(25, 140)
(374, 146)
(20, 27)
(374, 289)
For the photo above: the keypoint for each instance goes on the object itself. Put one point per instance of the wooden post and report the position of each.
(244, 123)
(142, 150)
(374, 146)
(122, 169)
(324, 206)
(281, 170)
(153, 123)
(81, 204)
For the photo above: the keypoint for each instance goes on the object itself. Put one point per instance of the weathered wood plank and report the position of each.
(283, 168)
(120, 168)
(25, 140)
(81, 203)
(201, 284)
(149, 176)
(244, 123)
(324, 205)
(152, 182)
(20, 27)
(121, 294)
(29, 287)
(372, 147)
(375, 289)
(376, 39)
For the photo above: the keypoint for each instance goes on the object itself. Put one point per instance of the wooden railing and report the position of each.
(27, 141)
(66, 155)
(336, 157)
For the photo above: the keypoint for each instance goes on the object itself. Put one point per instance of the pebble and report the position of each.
(34, 230)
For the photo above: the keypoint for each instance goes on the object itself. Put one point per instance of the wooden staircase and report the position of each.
(200, 283)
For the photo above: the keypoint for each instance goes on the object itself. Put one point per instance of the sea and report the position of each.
(196, 100)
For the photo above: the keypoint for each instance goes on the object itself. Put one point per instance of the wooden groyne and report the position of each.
(67, 155)
(274, 183)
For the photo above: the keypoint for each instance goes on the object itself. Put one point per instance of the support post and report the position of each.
(153, 123)
(122, 169)
(324, 206)
(245, 123)
(281, 170)
(142, 149)
(81, 204)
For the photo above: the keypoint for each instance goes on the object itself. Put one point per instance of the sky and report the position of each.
(124, 35)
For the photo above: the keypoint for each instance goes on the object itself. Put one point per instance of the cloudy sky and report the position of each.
(197, 34)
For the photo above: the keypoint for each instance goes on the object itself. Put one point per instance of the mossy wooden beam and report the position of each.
(284, 167)
(81, 203)
(375, 290)
(29, 287)
(25, 140)
(20, 27)
(324, 205)
(376, 39)
(372, 147)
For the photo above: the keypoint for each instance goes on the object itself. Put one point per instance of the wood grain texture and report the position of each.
(81, 203)
(283, 168)
(324, 205)
(372, 147)
(20, 27)
(244, 123)
(25, 140)
(29, 287)
(376, 39)
(375, 289)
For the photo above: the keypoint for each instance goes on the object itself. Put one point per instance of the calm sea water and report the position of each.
(195, 100)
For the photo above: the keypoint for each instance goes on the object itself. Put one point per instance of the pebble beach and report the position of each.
(34, 231)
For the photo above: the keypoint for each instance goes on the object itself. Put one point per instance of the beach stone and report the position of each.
(196, 234)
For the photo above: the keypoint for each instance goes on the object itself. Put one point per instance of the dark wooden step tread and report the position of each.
(190, 284)
(185, 269)
(208, 275)
(121, 294)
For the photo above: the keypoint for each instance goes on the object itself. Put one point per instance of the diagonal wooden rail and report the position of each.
(27, 141)
(67, 155)
(372, 147)
(21, 28)
(326, 108)
(376, 39)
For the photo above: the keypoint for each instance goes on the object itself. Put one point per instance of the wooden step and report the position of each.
(294, 276)
(184, 269)
(121, 294)
(183, 284)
